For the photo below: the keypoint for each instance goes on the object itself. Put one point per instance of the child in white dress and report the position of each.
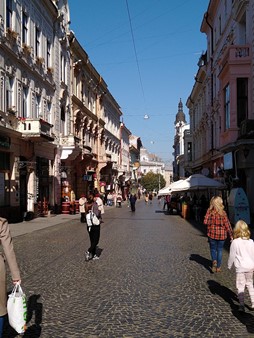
(241, 255)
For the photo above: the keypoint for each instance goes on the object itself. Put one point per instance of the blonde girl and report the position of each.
(218, 229)
(241, 255)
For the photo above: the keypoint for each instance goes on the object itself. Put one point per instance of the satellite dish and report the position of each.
(205, 171)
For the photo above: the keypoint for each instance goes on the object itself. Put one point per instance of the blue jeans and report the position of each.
(216, 247)
(1, 325)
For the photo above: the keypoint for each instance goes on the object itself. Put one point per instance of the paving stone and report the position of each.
(152, 280)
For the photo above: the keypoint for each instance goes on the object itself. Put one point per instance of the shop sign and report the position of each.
(5, 142)
(87, 178)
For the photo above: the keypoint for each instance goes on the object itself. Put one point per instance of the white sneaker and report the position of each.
(95, 257)
(87, 256)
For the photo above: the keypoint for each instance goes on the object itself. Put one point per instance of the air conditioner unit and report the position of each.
(247, 128)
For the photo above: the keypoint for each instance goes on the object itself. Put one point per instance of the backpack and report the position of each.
(92, 219)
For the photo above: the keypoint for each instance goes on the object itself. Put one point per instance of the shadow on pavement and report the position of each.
(230, 297)
(202, 261)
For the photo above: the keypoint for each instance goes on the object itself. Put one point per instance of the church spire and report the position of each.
(180, 116)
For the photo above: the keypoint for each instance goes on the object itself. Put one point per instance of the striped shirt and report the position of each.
(218, 226)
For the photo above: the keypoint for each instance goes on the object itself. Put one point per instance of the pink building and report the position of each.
(221, 136)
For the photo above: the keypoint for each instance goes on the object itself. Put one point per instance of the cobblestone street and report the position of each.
(152, 280)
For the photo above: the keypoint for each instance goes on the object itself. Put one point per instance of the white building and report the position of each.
(180, 127)
(34, 102)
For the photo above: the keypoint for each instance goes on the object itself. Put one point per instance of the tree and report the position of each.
(152, 181)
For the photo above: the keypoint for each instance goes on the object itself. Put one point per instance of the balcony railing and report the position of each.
(235, 54)
(36, 129)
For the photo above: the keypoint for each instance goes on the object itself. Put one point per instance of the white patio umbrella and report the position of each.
(167, 190)
(198, 182)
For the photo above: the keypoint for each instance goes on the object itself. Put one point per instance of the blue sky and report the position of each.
(147, 53)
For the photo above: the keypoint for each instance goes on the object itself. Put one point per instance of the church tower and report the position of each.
(180, 126)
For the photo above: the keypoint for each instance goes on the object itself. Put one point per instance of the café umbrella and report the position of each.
(167, 190)
(198, 182)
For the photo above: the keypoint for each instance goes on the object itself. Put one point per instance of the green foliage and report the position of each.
(152, 181)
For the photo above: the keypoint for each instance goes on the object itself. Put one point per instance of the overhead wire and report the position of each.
(135, 51)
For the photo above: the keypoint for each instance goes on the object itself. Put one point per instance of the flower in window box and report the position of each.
(12, 110)
(22, 119)
(26, 48)
(50, 70)
(12, 34)
(39, 60)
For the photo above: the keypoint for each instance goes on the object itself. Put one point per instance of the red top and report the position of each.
(218, 227)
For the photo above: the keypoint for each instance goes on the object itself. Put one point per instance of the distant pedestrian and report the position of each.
(146, 198)
(94, 230)
(99, 201)
(241, 255)
(133, 199)
(218, 228)
(150, 197)
(9, 255)
(82, 202)
(119, 200)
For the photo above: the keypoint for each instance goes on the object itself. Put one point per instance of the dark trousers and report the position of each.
(83, 217)
(94, 235)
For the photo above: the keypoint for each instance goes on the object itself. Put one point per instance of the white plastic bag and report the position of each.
(17, 309)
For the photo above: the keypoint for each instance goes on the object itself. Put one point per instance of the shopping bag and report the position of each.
(17, 309)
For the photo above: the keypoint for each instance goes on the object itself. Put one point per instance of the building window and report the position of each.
(8, 13)
(9, 93)
(37, 41)
(49, 105)
(242, 100)
(25, 102)
(48, 54)
(189, 151)
(227, 107)
(63, 66)
(37, 106)
(24, 28)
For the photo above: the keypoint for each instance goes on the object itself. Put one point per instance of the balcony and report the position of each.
(70, 147)
(236, 54)
(37, 130)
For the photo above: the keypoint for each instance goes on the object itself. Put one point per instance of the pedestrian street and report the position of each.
(152, 280)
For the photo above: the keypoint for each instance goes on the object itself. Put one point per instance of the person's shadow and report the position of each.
(230, 297)
(202, 261)
(34, 309)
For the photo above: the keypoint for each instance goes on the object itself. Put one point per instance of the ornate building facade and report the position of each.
(222, 99)
(35, 104)
(60, 128)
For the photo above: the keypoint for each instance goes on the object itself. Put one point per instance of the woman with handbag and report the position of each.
(218, 229)
(9, 256)
(91, 208)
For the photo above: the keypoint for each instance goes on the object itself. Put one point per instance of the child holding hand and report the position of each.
(241, 255)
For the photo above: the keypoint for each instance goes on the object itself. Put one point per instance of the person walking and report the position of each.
(146, 198)
(241, 255)
(94, 230)
(9, 255)
(218, 229)
(82, 202)
(99, 201)
(133, 199)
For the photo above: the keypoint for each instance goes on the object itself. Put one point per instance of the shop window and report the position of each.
(4, 161)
